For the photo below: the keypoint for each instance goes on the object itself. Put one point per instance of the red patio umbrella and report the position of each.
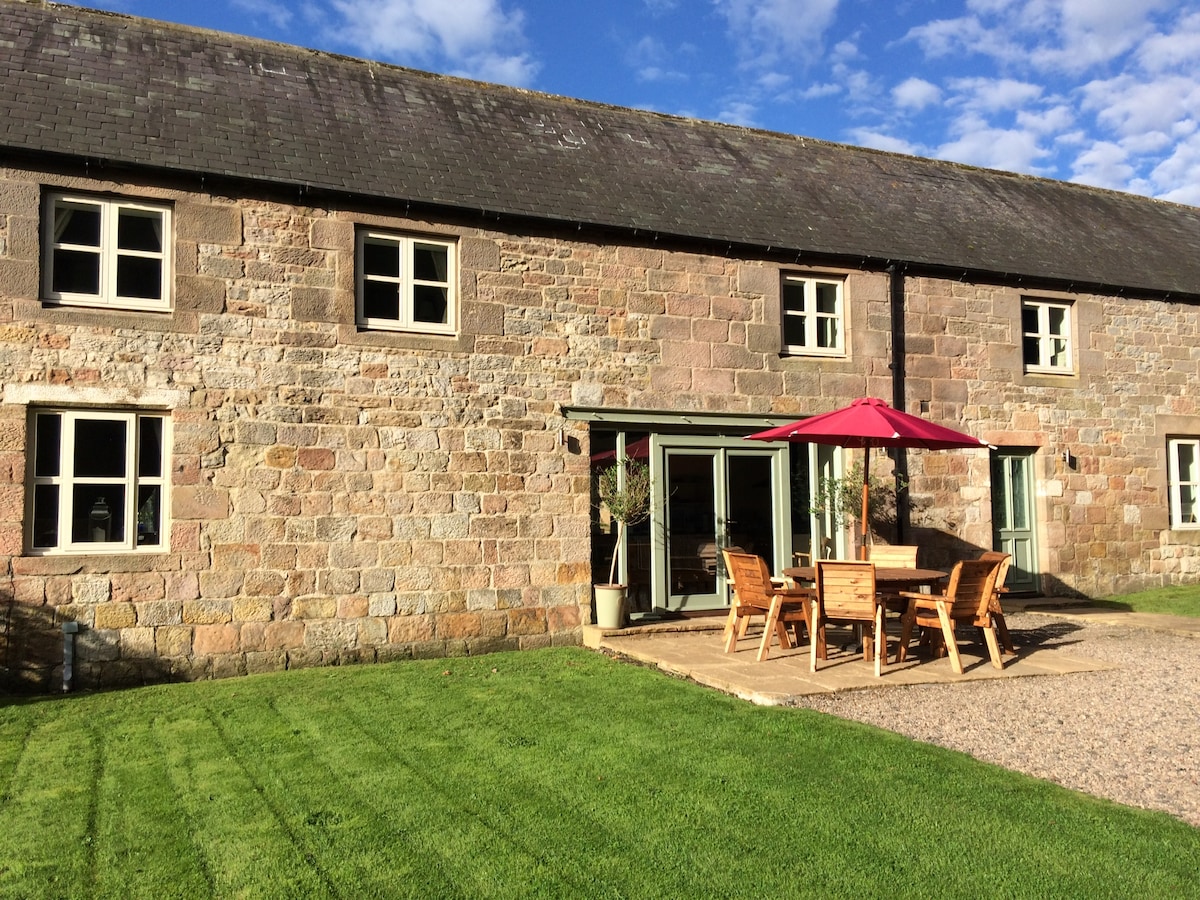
(869, 422)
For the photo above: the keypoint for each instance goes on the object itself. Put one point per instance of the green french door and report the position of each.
(1013, 527)
(713, 493)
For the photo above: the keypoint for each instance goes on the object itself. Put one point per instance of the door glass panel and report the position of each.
(750, 524)
(691, 523)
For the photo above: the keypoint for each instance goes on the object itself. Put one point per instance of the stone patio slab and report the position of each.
(695, 651)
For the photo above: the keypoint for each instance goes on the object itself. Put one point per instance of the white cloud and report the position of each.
(765, 31)
(739, 112)
(981, 144)
(1181, 47)
(876, 140)
(474, 40)
(916, 93)
(278, 14)
(1177, 178)
(994, 94)
(817, 91)
(1128, 105)
(1104, 164)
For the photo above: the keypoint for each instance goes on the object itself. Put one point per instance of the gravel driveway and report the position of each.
(1131, 734)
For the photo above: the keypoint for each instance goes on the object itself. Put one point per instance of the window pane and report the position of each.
(381, 300)
(1187, 505)
(826, 332)
(1058, 320)
(99, 448)
(76, 272)
(429, 304)
(47, 443)
(1032, 350)
(149, 525)
(139, 230)
(1058, 353)
(430, 263)
(150, 447)
(1185, 454)
(793, 298)
(140, 277)
(1029, 319)
(381, 258)
(45, 515)
(1020, 512)
(98, 513)
(77, 225)
(793, 331)
(827, 298)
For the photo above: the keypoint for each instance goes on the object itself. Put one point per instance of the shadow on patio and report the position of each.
(693, 649)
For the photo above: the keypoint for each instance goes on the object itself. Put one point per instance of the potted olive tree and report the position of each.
(839, 500)
(623, 491)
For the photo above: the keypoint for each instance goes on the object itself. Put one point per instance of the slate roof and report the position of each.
(135, 92)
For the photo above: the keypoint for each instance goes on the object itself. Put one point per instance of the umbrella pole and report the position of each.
(862, 550)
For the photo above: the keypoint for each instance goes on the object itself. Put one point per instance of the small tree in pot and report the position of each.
(623, 489)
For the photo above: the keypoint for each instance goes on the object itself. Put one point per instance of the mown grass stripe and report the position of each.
(244, 846)
(44, 832)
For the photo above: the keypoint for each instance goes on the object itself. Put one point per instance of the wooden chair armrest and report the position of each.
(914, 595)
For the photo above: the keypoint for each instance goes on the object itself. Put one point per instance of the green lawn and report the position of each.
(1177, 600)
(555, 773)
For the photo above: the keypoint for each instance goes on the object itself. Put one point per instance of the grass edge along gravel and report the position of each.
(543, 773)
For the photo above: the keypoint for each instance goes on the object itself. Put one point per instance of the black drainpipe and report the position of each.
(899, 456)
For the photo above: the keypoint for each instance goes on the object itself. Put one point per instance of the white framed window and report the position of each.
(1046, 335)
(406, 283)
(1184, 474)
(97, 481)
(814, 319)
(106, 252)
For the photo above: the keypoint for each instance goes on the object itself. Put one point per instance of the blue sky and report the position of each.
(1104, 92)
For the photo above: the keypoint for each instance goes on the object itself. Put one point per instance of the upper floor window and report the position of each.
(1046, 336)
(1184, 475)
(406, 283)
(97, 481)
(814, 320)
(106, 252)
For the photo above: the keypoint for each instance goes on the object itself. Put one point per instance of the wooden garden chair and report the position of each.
(900, 556)
(754, 594)
(1005, 560)
(846, 593)
(967, 598)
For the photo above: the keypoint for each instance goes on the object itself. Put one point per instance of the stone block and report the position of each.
(330, 635)
(318, 607)
(207, 612)
(159, 613)
(252, 609)
(137, 587)
(115, 615)
(173, 641)
(286, 635)
(137, 643)
(199, 502)
(91, 589)
(210, 640)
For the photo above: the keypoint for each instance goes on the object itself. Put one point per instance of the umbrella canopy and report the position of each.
(869, 422)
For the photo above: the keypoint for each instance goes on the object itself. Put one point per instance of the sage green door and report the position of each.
(1013, 527)
(711, 497)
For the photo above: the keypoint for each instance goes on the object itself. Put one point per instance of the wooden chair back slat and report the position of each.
(846, 590)
(902, 556)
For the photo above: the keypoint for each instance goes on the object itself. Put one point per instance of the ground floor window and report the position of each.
(97, 481)
(1184, 471)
